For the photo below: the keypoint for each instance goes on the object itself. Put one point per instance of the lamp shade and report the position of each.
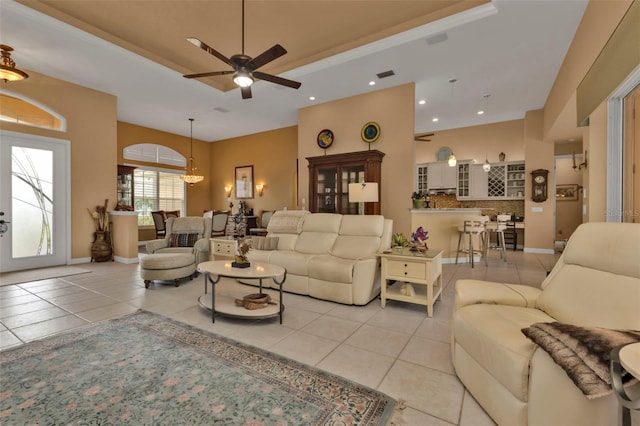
(363, 192)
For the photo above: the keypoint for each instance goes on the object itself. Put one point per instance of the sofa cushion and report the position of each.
(294, 262)
(492, 335)
(285, 241)
(362, 225)
(322, 222)
(182, 240)
(353, 247)
(331, 268)
(309, 242)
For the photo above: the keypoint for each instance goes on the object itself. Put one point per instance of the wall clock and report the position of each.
(370, 132)
(539, 184)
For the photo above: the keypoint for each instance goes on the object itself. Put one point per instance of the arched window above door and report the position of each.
(16, 108)
(153, 153)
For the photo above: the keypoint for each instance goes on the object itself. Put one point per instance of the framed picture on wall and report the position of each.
(567, 192)
(244, 182)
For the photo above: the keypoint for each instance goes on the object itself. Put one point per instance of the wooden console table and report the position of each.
(405, 268)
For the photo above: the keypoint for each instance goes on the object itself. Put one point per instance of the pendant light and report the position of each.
(8, 70)
(191, 178)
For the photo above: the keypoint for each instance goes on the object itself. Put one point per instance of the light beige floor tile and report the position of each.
(97, 301)
(44, 285)
(24, 308)
(310, 304)
(357, 364)
(356, 313)
(19, 300)
(107, 312)
(399, 316)
(124, 293)
(298, 318)
(412, 417)
(379, 340)
(263, 334)
(8, 339)
(72, 297)
(473, 414)
(62, 291)
(331, 327)
(434, 392)
(49, 327)
(304, 347)
(10, 291)
(436, 329)
(429, 353)
(33, 317)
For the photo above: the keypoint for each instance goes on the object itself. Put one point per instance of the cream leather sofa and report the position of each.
(200, 227)
(328, 256)
(595, 283)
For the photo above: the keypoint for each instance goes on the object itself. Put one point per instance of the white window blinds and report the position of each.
(156, 190)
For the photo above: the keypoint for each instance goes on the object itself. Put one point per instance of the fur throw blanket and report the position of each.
(583, 352)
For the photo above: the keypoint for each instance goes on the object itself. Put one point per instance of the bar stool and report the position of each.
(473, 226)
(498, 228)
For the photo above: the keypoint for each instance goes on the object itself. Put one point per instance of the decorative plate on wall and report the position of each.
(325, 138)
(370, 132)
(443, 153)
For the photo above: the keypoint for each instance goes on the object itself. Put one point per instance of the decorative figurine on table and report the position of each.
(240, 220)
(242, 261)
(419, 240)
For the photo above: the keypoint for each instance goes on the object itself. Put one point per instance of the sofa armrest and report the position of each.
(469, 292)
(154, 245)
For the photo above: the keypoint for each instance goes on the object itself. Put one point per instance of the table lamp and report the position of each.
(363, 192)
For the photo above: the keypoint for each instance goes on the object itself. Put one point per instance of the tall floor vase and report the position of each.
(101, 247)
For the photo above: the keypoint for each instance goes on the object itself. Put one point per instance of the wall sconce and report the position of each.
(227, 190)
(580, 166)
(260, 188)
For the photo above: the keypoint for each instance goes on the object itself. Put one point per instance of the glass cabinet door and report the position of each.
(326, 189)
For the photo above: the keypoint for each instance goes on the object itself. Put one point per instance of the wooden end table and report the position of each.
(225, 304)
(417, 276)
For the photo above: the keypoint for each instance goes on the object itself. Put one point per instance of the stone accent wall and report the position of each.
(489, 207)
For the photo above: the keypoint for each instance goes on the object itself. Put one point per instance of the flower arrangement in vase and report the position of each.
(419, 240)
(241, 260)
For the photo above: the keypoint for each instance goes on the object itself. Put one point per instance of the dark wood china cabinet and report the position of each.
(330, 176)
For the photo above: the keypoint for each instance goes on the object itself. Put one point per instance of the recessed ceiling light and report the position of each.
(480, 112)
(372, 83)
(312, 98)
(435, 119)
(422, 102)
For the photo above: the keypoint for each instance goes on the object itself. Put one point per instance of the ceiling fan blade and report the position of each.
(208, 74)
(209, 49)
(277, 80)
(246, 92)
(422, 137)
(265, 57)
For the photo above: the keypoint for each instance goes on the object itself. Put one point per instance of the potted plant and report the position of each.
(418, 199)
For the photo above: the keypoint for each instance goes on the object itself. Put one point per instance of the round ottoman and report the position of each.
(167, 267)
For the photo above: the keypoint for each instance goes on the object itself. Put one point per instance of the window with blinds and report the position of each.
(155, 190)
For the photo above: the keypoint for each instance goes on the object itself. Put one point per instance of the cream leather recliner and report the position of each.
(595, 283)
(199, 228)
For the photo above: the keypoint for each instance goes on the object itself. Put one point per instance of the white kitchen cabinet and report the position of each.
(440, 175)
(504, 181)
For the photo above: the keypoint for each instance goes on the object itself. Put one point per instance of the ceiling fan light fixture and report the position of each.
(243, 79)
(8, 70)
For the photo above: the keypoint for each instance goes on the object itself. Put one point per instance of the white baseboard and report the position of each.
(539, 250)
(127, 260)
(78, 260)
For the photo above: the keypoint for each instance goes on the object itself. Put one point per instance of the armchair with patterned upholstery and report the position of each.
(184, 235)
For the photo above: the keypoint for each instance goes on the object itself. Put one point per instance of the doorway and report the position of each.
(34, 183)
(568, 198)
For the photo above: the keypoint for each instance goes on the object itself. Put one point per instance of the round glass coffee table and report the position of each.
(225, 304)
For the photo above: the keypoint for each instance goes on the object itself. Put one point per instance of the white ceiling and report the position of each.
(509, 49)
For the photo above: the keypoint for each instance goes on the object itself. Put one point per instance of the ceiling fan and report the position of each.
(422, 137)
(244, 67)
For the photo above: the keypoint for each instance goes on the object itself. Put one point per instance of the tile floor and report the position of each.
(397, 350)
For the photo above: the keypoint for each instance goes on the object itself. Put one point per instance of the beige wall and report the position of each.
(393, 110)
(91, 127)
(539, 231)
(273, 156)
(568, 212)
(477, 143)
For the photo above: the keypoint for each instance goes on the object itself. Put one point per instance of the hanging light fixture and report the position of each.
(191, 178)
(452, 160)
(8, 70)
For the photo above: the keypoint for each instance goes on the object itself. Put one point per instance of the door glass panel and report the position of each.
(32, 201)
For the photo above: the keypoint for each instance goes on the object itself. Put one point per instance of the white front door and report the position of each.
(34, 176)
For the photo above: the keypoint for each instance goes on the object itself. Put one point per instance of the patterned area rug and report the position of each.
(8, 278)
(148, 369)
